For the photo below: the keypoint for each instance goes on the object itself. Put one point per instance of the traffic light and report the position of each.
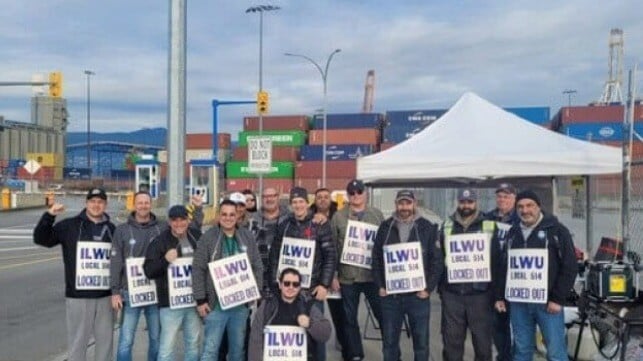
(262, 102)
(56, 84)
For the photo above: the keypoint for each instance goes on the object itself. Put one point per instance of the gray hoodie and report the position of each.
(131, 240)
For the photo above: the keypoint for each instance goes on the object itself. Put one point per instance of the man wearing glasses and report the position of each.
(353, 280)
(266, 221)
(289, 308)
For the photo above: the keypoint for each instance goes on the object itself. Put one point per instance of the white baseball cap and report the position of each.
(238, 198)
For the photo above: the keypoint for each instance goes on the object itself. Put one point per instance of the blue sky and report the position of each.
(425, 55)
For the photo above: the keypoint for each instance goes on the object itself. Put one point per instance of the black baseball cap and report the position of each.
(405, 194)
(355, 186)
(299, 192)
(97, 192)
(177, 211)
(467, 194)
(506, 188)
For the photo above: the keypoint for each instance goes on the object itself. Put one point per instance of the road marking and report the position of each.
(16, 230)
(31, 255)
(28, 263)
(17, 249)
(16, 237)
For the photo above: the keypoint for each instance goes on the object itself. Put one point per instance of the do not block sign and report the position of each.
(259, 154)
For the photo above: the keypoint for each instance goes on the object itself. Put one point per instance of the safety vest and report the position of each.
(488, 227)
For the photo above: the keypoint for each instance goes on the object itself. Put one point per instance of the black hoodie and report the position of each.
(67, 233)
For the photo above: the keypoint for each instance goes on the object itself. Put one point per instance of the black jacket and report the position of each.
(474, 227)
(325, 261)
(562, 258)
(423, 231)
(155, 266)
(67, 233)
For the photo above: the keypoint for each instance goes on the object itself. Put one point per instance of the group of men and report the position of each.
(292, 262)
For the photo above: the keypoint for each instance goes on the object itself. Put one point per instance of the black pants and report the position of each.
(336, 309)
(502, 334)
(472, 311)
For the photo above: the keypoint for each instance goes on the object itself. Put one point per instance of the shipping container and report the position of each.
(204, 141)
(15, 163)
(536, 115)
(47, 159)
(283, 185)
(413, 117)
(191, 154)
(278, 122)
(240, 170)
(285, 138)
(637, 148)
(312, 184)
(595, 114)
(336, 169)
(77, 173)
(345, 136)
(43, 174)
(290, 154)
(386, 145)
(334, 152)
(598, 131)
(399, 133)
(348, 121)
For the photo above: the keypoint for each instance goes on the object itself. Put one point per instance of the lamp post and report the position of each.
(324, 75)
(569, 93)
(261, 9)
(88, 74)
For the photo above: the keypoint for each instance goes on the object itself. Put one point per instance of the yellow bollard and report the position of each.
(339, 198)
(129, 201)
(6, 198)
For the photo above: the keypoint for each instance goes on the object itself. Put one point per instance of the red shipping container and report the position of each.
(335, 169)
(637, 148)
(598, 114)
(278, 122)
(312, 184)
(386, 145)
(44, 173)
(286, 154)
(283, 185)
(204, 140)
(345, 136)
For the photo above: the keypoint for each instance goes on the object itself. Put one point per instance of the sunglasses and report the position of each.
(269, 195)
(291, 283)
(355, 192)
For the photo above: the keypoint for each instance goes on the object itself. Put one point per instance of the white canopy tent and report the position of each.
(478, 142)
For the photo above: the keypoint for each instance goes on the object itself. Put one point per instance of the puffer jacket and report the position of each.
(67, 233)
(325, 260)
(208, 250)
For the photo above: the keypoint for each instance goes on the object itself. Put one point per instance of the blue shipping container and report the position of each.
(537, 115)
(598, 131)
(15, 163)
(409, 117)
(76, 173)
(398, 134)
(348, 120)
(334, 152)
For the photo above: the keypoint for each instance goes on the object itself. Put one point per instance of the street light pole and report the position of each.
(324, 75)
(88, 74)
(569, 93)
(261, 9)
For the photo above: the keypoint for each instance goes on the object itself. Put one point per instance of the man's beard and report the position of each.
(466, 212)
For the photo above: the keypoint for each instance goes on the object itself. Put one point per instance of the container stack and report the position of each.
(401, 125)
(348, 137)
(288, 134)
(198, 146)
(599, 124)
(536, 115)
(51, 167)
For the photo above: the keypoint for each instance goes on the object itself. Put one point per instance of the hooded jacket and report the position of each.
(325, 260)
(319, 329)
(208, 250)
(155, 266)
(476, 226)
(348, 274)
(561, 256)
(422, 231)
(67, 233)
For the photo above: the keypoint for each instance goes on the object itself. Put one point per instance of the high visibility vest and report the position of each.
(487, 227)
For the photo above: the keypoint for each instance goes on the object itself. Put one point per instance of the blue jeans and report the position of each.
(131, 316)
(350, 297)
(171, 322)
(524, 317)
(233, 322)
(394, 307)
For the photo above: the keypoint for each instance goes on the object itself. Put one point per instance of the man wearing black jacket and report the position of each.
(86, 241)
(552, 249)
(176, 243)
(300, 225)
(407, 226)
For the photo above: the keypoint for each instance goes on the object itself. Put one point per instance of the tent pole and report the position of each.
(555, 203)
(589, 221)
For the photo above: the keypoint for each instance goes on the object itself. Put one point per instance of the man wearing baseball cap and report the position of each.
(505, 215)
(351, 280)
(407, 226)
(299, 224)
(544, 238)
(88, 303)
(465, 303)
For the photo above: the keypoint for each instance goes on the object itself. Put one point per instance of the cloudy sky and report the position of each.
(425, 55)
